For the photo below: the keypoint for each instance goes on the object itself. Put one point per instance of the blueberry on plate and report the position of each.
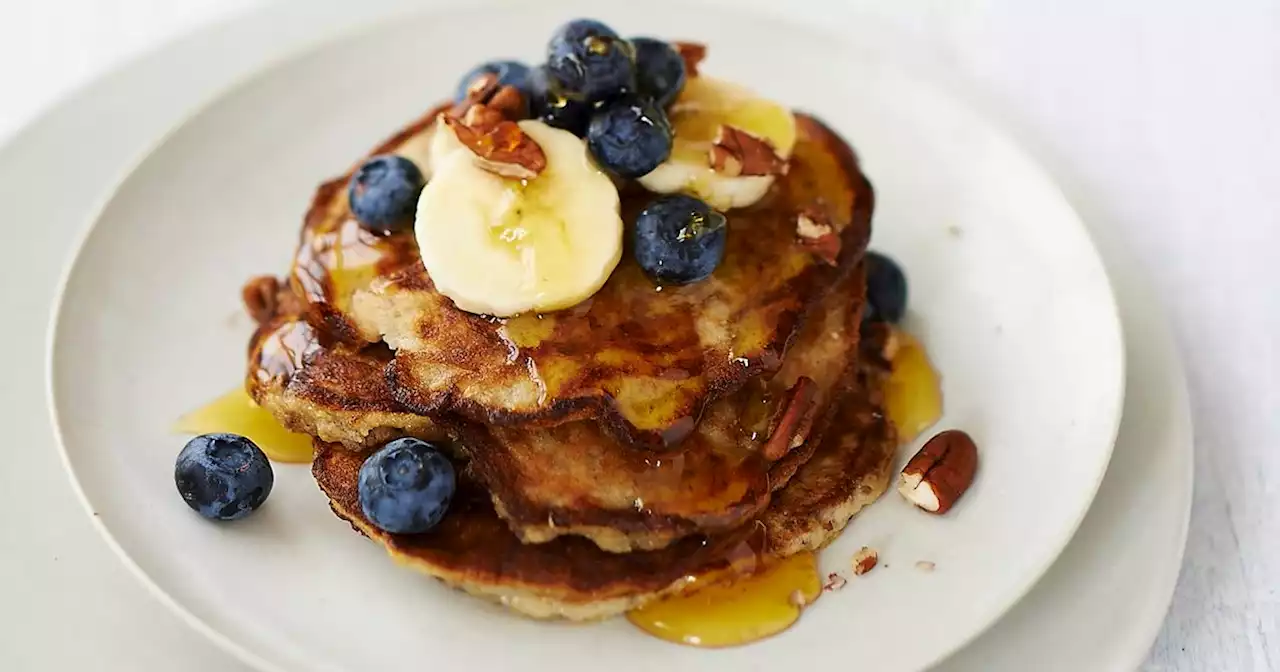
(886, 289)
(629, 136)
(551, 104)
(384, 193)
(510, 73)
(406, 487)
(678, 239)
(590, 60)
(659, 70)
(223, 476)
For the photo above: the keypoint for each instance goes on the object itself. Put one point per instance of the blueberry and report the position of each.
(384, 193)
(678, 239)
(510, 73)
(591, 60)
(223, 476)
(549, 102)
(630, 136)
(405, 487)
(886, 289)
(659, 70)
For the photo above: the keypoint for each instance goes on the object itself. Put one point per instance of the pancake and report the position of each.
(472, 549)
(316, 385)
(574, 479)
(644, 362)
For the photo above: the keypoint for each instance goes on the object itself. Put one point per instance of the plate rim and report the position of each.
(94, 214)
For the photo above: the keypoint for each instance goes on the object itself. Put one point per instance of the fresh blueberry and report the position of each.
(549, 102)
(223, 476)
(405, 487)
(886, 289)
(510, 73)
(659, 70)
(678, 239)
(591, 60)
(384, 193)
(630, 136)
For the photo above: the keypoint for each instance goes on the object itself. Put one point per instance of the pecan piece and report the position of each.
(864, 560)
(737, 152)
(499, 145)
(259, 297)
(794, 420)
(692, 53)
(941, 472)
(815, 232)
(485, 90)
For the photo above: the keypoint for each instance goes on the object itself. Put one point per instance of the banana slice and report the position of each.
(501, 246)
(703, 107)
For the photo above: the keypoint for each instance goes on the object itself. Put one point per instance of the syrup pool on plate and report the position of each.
(913, 392)
(753, 606)
(236, 413)
(742, 610)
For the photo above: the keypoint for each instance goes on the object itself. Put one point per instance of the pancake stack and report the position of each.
(612, 452)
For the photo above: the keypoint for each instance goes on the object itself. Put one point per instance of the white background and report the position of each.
(1160, 118)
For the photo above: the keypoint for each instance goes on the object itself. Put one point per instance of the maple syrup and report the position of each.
(751, 606)
(742, 610)
(236, 412)
(913, 391)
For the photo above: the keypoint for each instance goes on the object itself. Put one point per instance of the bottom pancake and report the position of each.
(570, 577)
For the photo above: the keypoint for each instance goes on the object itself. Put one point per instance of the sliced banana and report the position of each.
(703, 107)
(500, 246)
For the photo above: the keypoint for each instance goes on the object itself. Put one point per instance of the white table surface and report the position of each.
(1159, 118)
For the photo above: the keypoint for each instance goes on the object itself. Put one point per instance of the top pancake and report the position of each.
(642, 360)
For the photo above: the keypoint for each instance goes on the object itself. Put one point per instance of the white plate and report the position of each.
(220, 200)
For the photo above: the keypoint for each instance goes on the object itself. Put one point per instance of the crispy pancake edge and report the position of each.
(572, 579)
(597, 404)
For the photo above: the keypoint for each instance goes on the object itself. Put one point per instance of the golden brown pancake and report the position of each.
(642, 361)
(574, 478)
(570, 577)
(582, 477)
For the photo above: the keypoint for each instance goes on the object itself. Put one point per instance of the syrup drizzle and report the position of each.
(741, 610)
(235, 412)
(765, 598)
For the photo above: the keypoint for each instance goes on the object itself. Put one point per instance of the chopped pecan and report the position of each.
(794, 420)
(864, 560)
(736, 152)
(479, 91)
(259, 296)
(499, 145)
(509, 102)
(815, 232)
(692, 53)
(485, 90)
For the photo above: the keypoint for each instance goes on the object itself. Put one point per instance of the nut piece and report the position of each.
(941, 472)
(794, 419)
(865, 560)
(814, 231)
(499, 145)
(485, 90)
(509, 102)
(259, 297)
(692, 53)
(834, 582)
(736, 152)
